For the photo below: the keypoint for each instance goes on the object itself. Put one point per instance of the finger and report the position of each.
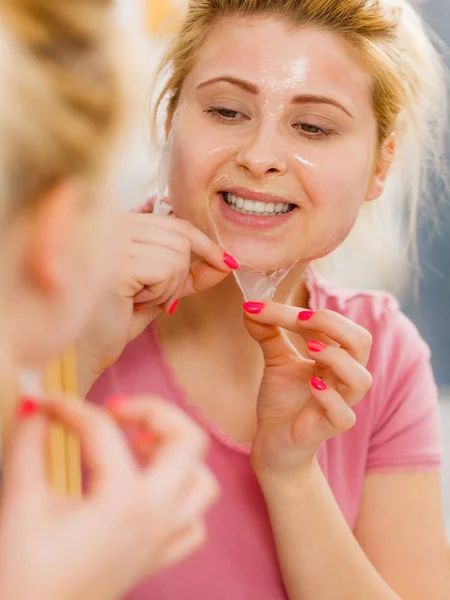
(157, 416)
(179, 443)
(276, 348)
(202, 494)
(201, 277)
(347, 370)
(169, 276)
(25, 469)
(162, 238)
(354, 338)
(339, 415)
(201, 245)
(186, 543)
(147, 207)
(104, 448)
(156, 275)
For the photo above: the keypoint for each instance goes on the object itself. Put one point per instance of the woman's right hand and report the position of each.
(137, 516)
(154, 270)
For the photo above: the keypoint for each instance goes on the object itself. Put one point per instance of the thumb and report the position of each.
(201, 277)
(275, 345)
(106, 457)
(147, 207)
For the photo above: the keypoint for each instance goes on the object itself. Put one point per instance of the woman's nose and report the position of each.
(263, 155)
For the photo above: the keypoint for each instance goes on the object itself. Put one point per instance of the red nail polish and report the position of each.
(139, 308)
(115, 402)
(318, 384)
(143, 439)
(27, 408)
(305, 315)
(253, 308)
(314, 346)
(173, 307)
(230, 261)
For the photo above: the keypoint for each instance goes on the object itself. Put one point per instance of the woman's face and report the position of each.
(276, 139)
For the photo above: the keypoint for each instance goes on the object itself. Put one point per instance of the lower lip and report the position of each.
(252, 221)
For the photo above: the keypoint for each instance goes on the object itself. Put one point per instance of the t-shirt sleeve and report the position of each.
(406, 432)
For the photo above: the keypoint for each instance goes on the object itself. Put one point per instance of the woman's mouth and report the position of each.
(256, 208)
(253, 210)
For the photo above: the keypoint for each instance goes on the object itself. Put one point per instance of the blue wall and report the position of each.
(430, 310)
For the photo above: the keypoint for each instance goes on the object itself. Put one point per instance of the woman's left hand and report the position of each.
(304, 400)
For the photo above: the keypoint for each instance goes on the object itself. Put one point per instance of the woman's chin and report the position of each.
(257, 254)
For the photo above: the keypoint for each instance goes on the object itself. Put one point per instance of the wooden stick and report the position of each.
(8, 407)
(73, 455)
(53, 382)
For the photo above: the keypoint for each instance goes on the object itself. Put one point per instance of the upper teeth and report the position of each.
(260, 208)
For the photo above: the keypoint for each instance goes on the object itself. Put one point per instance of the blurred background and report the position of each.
(430, 310)
(429, 306)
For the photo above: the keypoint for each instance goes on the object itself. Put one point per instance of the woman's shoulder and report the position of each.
(377, 311)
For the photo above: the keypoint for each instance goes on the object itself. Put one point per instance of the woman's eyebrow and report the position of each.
(314, 99)
(253, 89)
(245, 85)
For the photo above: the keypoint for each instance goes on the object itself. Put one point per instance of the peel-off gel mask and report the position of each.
(259, 275)
(242, 209)
(162, 205)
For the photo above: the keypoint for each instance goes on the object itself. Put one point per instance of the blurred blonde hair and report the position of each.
(409, 98)
(63, 98)
(62, 107)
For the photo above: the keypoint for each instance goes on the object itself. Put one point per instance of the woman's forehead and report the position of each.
(276, 57)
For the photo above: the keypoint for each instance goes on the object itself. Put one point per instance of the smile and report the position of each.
(256, 208)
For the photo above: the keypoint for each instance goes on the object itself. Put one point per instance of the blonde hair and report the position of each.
(62, 99)
(62, 106)
(409, 99)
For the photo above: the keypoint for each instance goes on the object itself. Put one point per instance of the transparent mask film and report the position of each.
(241, 227)
(162, 204)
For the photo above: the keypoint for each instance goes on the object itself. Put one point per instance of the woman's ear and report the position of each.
(50, 237)
(383, 167)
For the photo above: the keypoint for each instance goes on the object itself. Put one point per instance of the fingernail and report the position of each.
(318, 384)
(139, 308)
(305, 315)
(173, 307)
(27, 408)
(230, 261)
(253, 308)
(314, 346)
(115, 402)
(143, 438)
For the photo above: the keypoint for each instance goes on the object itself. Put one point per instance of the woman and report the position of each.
(62, 108)
(289, 116)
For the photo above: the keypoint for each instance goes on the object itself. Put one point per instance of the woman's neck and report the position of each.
(215, 360)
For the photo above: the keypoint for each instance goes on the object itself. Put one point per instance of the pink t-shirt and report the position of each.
(397, 429)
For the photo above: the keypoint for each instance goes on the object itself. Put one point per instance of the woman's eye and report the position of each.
(313, 129)
(227, 113)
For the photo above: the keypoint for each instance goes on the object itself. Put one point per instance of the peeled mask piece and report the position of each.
(255, 283)
(259, 285)
(162, 206)
(260, 271)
